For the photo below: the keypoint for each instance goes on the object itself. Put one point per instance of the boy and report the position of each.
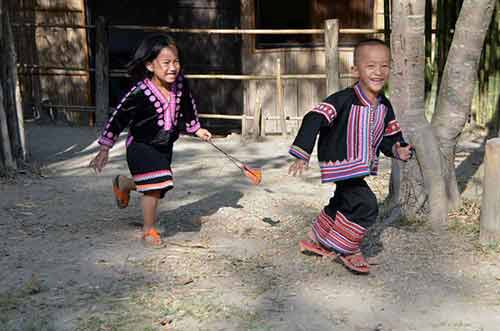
(354, 125)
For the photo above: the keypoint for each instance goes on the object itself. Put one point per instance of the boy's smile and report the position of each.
(372, 66)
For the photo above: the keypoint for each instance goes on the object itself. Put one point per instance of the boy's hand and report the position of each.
(203, 134)
(297, 167)
(405, 151)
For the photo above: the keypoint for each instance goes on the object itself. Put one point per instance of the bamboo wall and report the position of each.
(53, 47)
(200, 53)
(486, 104)
(299, 95)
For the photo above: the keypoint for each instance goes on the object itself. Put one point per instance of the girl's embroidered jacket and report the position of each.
(351, 135)
(146, 111)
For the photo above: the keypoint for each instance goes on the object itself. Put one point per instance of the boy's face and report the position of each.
(373, 68)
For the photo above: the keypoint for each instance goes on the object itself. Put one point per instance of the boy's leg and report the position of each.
(342, 224)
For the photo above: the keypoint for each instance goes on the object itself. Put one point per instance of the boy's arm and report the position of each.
(321, 116)
(392, 136)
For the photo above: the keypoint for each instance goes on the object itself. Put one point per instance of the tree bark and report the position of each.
(11, 117)
(417, 186)
(490, 209)
(457, 85)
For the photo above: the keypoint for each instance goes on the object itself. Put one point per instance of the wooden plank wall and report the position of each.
(300, 95)
(53, 47)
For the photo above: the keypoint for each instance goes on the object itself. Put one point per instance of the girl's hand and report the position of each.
(404, 152)
(203, 134)
(297, 167)
(100, 160)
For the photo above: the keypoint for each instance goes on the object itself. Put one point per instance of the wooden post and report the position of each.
(387, 22)
(332, 56)
(101, 71)
(257, 117)
(279, 98)
(490, 206)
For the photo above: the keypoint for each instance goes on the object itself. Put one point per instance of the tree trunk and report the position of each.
(417, 186)
(490, 209)
(11, 117)
(457, 85)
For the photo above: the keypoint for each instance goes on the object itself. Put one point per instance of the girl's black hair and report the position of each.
(147, 51)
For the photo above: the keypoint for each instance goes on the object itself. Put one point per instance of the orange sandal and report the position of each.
(151, 238)
(121, 197)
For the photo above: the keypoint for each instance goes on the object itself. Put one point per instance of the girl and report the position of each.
(157, 108)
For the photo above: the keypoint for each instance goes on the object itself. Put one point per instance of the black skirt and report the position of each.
(150, 167)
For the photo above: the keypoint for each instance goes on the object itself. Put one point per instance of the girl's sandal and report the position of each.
(122, 198)
(151, 238)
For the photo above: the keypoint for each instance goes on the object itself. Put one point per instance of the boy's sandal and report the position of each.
(122, 198)
(151, 238)
(355, 262)
(312, 247)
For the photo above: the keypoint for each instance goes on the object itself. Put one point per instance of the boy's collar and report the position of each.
(362, 96)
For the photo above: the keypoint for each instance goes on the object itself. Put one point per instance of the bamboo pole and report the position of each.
(257, 119)
(102, 71)
(332, 56)
(244, 125)
(190, 30)
(116, 73)
(279, 98)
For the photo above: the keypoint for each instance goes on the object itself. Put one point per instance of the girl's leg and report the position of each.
(149, 204)
(126, 184)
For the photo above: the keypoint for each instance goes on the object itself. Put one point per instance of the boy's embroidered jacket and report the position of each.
(351, 135)
(146, 112)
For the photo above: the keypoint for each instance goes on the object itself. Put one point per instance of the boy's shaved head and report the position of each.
(366, 42)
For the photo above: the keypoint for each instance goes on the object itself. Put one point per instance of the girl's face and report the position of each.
(166, 66)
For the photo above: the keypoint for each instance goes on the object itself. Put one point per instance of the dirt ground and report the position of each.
(70, 260)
